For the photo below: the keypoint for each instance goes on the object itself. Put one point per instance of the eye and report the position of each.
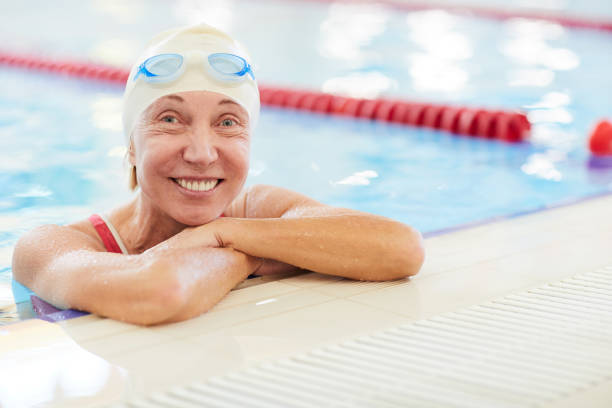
(169, 119)
(228, 122)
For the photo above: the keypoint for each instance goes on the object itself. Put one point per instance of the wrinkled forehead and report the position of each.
(194, 101)
(193, 43)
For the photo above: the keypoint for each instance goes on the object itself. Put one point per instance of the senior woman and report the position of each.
(191, 233)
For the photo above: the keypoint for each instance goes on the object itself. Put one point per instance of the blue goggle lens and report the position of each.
(230, 64)
(163, 64)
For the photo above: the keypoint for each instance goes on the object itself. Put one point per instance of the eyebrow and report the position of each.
(230, 102)
(175, 97)
(222, 102)
(179, 99)
(226, 101)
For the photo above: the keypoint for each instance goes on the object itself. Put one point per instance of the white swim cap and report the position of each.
(202, 38)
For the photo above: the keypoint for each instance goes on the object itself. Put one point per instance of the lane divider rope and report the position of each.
(508, 126)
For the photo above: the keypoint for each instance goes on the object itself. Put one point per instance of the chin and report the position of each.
(196, 219)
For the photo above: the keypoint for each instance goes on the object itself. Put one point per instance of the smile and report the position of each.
(197, 185)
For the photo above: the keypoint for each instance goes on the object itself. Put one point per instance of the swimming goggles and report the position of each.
(168, 67)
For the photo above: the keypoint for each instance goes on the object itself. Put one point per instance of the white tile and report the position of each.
(120, 342)
(247, 312)
(157, 368)
(310, 280)
(344, 288)
(254, 294)
(92, 327)
(78, 321)
(515, 235)
(427, 296)
(598, 396)
(266, 279)
(299, 330)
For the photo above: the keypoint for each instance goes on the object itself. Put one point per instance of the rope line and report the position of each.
(508, 126)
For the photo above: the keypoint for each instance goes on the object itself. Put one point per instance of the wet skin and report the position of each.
(183, 257)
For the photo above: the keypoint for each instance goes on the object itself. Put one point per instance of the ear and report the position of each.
(131, 153)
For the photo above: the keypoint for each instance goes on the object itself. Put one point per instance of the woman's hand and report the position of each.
(204, 236)
(211, 236)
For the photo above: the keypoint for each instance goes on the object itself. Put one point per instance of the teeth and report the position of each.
(197, 185)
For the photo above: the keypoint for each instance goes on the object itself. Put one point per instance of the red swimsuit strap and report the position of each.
(105, 234)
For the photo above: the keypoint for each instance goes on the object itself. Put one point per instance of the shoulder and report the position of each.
(85, 230)
(265, 201)
(36, 249)
(55, 235)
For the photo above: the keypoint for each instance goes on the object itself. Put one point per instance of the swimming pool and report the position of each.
(63, 145)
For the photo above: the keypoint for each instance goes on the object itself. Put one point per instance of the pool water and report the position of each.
(62, 145)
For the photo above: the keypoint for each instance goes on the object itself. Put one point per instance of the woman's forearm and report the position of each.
(351, 245)
(205, 276)
(154, 287)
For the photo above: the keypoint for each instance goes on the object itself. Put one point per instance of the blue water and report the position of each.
(62, 145)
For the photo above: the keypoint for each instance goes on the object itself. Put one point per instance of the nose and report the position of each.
(201, 148)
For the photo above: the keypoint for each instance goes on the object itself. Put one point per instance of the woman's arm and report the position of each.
(69, 269)
(285, 226)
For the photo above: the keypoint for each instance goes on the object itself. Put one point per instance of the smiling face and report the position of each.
(191, 152)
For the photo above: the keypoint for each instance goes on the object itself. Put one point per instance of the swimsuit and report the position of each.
(112, 242)
(110, 238)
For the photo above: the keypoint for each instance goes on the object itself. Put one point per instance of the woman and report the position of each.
(190, 235)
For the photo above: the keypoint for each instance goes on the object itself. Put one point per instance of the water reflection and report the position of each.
(552, 135)
(435, 65)
(8, 314)
(34, 191)
(106, 112)
(360, 178)
(529, 44)
(434, 32)
(39, 356)
(435, 74)
(125, 12)
(117, 151)
(543, 165)
(556, 115)
(531, 77)
(117, 51)
(348, 28)
(360, 85)
(551, 100)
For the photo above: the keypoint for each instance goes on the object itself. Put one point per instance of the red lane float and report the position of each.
(71, 68)
(486, 12)
(483, 123)
(490, 124)
(600, 139)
